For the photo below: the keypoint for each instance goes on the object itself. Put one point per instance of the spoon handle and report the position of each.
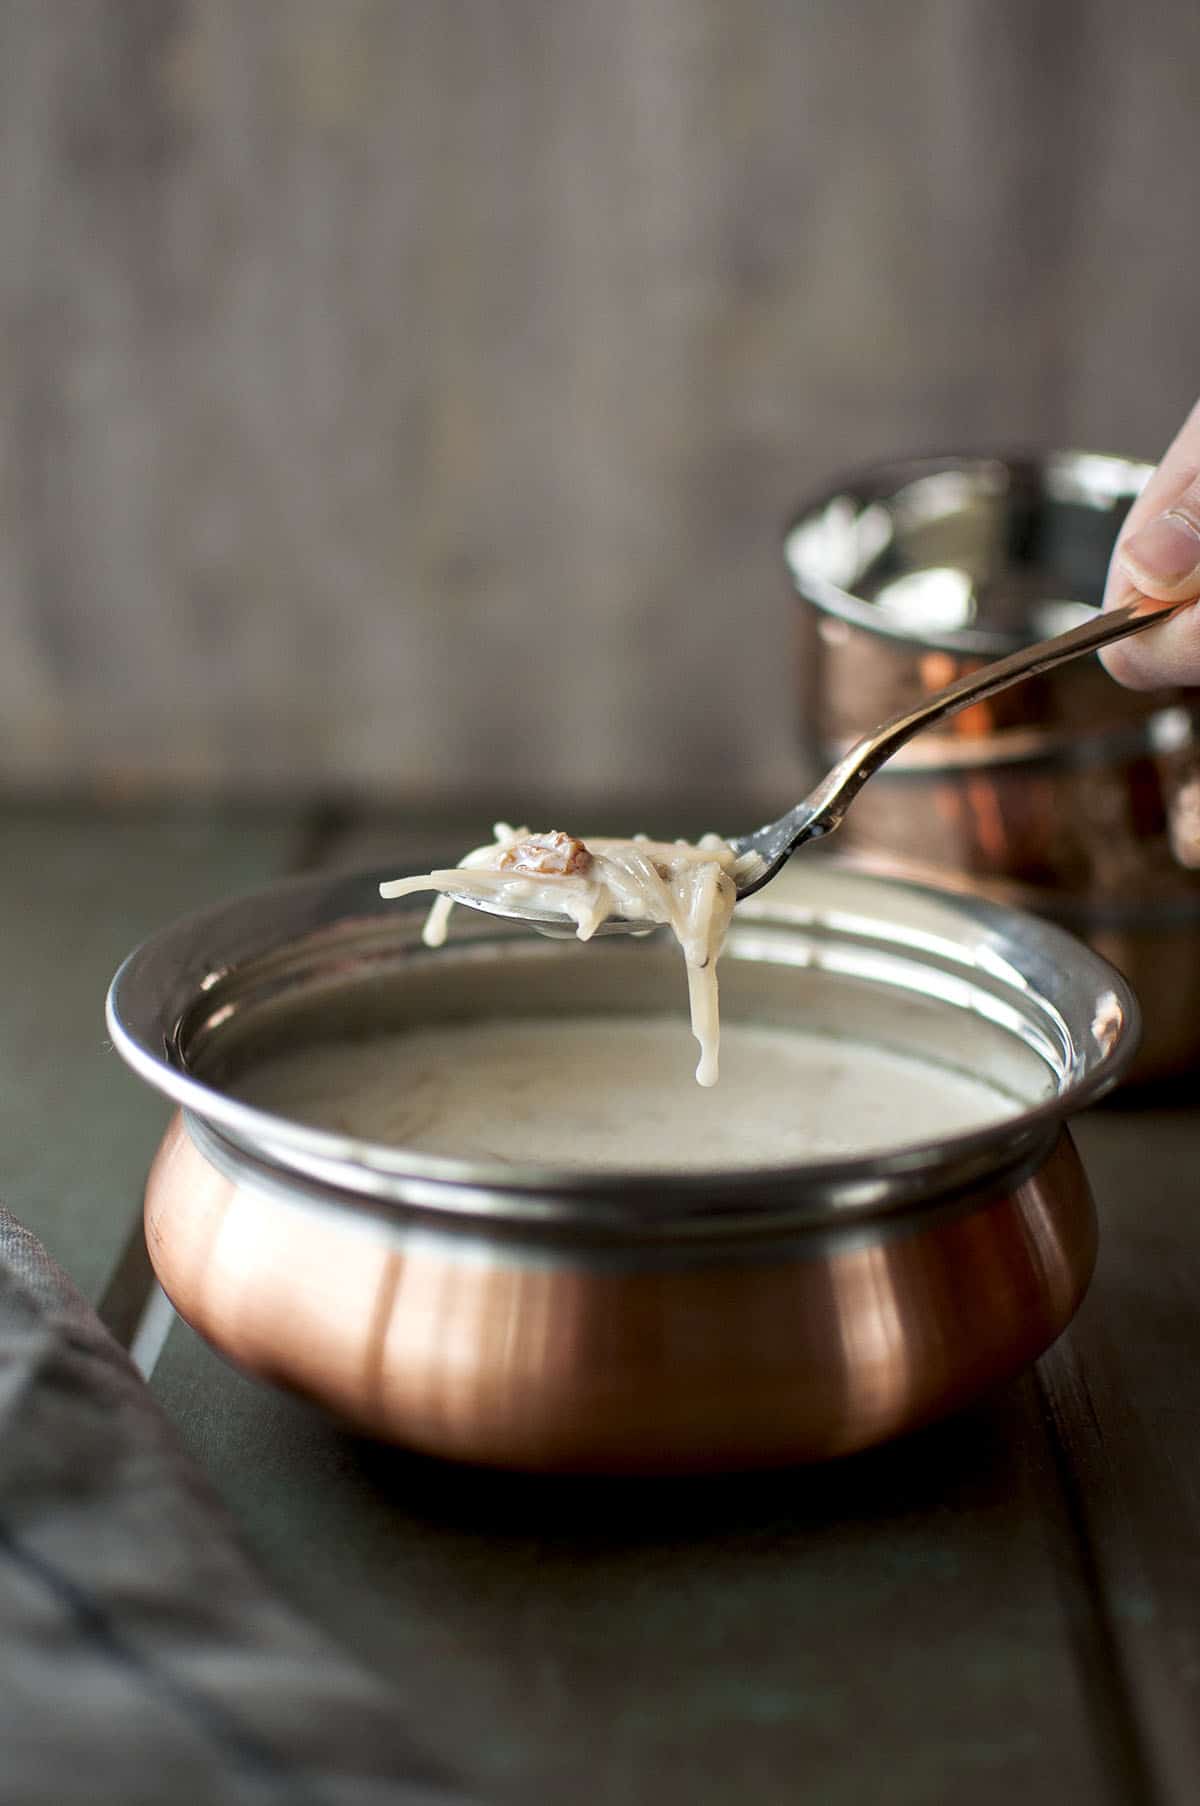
(827, 804)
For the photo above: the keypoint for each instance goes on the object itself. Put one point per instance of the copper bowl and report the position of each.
(637, 1321)
(1068, 795)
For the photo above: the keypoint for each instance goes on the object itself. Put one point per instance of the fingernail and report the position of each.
(1165, 551)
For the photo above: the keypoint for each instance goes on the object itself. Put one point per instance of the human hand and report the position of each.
(1158, 553)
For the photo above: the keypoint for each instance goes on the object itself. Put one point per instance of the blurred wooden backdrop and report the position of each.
(408, 393)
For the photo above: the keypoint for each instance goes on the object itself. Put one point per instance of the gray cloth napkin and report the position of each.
(141, 1657)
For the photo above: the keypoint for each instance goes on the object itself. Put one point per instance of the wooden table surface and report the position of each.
(1005, 1607)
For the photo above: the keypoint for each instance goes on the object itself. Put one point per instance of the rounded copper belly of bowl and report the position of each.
(522, 1357)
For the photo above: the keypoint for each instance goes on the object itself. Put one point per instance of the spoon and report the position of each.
(825, 807)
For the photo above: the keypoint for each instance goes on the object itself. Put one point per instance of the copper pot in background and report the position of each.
(1069, 795)
(636, 1321)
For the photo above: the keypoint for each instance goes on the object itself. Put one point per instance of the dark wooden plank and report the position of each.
(912, 1625)
(80, 888)
(1124, 1395)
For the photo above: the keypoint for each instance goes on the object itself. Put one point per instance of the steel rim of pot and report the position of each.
(994, 473)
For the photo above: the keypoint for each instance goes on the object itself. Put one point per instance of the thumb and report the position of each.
(1162, 559)
(1158, 553)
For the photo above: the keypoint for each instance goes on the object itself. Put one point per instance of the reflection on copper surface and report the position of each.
(988, 820)
(1058, 1261)
(938, 671)
(871, 1328)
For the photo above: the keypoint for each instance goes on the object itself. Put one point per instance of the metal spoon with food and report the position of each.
(753, 859)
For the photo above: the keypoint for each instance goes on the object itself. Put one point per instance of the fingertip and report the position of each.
(1162, 555)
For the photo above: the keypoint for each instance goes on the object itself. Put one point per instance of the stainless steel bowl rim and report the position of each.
(551, 1223)
(877, 482)
(176, 968)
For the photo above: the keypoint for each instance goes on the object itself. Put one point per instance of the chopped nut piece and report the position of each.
(550, 855)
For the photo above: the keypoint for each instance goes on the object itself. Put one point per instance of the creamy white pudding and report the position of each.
(612, 1092)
